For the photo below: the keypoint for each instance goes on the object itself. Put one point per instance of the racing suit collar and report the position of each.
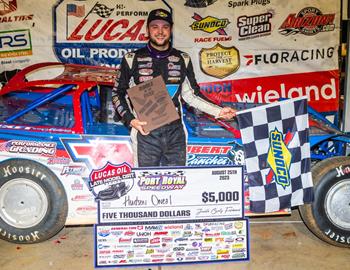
(158, 54)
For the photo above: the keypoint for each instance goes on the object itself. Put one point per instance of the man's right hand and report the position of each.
(136, 123)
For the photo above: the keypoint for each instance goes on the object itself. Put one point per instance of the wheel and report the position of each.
(33, 202)
(328, 217)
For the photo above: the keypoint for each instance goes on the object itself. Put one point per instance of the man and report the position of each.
(165, 146)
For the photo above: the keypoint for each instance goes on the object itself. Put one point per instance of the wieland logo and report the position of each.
(279, 158)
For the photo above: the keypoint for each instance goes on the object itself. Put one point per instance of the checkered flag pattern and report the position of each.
(277, 155)
(102, 10)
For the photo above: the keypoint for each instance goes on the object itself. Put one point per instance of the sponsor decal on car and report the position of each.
(72, 170)
(77, 185)
(86, 210)
(208, 155)
(111, 181)
(29, 147)
(58, 160)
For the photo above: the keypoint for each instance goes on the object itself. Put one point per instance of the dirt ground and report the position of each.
(282, 243)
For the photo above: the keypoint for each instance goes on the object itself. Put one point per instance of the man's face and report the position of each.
(159, 33)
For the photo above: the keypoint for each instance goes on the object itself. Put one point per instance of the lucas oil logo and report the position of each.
(279, 158)
(111, 181)
(309, 21)
(99, 32)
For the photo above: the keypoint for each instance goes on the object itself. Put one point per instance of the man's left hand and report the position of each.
(227, 113)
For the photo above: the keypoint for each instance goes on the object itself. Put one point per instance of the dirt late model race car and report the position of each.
(58, 131)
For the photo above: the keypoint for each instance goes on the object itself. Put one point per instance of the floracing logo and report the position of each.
(309, 21)
(99, 33)
(279, 158)
(289, 56)
(219, 61)
(15, 43)
(254, 26)
(209, 24)
(7, 6)
(111, 181)
(162, 181)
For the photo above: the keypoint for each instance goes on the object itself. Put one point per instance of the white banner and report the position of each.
(264, 48)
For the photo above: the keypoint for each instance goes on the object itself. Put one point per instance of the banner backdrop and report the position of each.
(250, 51)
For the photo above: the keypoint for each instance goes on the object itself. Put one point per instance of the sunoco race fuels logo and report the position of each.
(279, 159)
(309, 21)
(209, 24)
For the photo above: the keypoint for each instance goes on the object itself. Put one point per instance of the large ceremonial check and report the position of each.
(179, 194)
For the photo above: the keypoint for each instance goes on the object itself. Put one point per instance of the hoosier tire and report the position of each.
(328, 217)
(33, 202)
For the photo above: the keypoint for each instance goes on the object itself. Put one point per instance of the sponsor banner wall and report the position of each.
(242, 44)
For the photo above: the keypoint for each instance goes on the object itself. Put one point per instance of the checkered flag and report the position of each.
(277, 155)
(102, 10)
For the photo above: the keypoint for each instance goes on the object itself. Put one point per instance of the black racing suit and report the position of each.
(165, 146)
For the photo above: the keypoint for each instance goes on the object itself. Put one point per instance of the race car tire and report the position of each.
(328, 217)
(33, 202)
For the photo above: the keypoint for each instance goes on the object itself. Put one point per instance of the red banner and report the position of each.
(322, 89)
